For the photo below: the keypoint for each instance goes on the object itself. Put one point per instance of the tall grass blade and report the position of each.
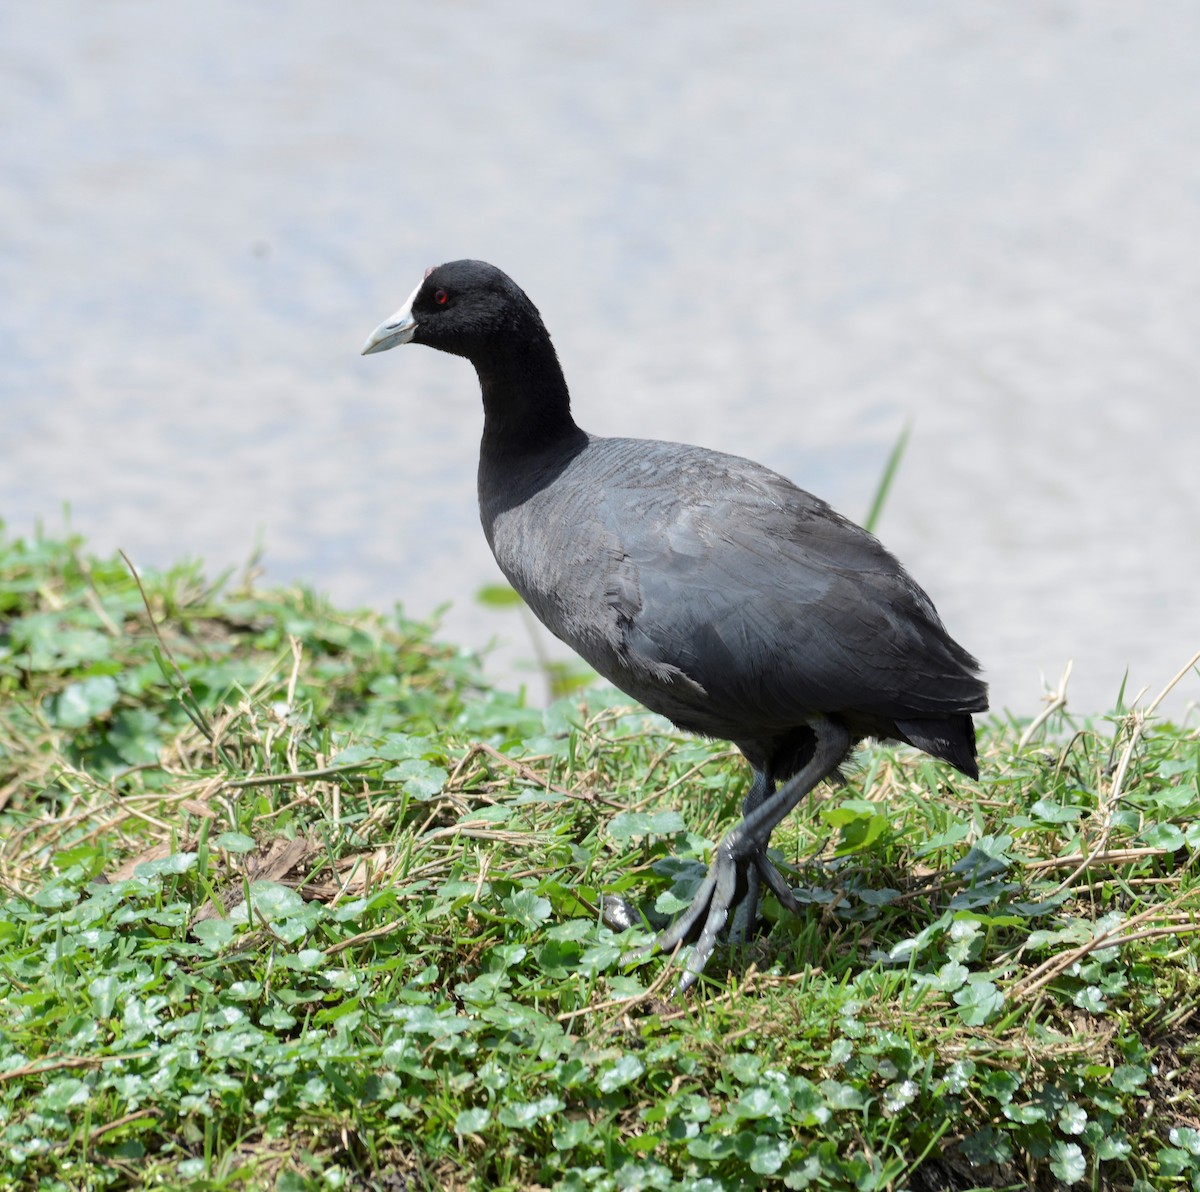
(885, 481)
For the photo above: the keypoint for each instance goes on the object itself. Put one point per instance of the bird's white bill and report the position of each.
(396, 330)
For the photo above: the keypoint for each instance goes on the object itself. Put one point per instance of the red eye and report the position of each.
(440, 297)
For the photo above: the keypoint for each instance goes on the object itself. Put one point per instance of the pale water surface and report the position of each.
(780, 228)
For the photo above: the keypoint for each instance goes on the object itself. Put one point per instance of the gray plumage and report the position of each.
(709, 588)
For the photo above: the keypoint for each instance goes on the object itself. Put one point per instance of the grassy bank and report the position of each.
(292, 900)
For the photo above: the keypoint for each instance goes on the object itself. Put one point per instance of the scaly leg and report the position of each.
(745, 910)
(741, 857)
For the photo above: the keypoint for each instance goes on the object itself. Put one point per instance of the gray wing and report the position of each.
(768, 600)
(698, 581)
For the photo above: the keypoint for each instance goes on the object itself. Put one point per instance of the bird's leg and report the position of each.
(777, 883)
(761, 789)
(746, 912)
(741, 857)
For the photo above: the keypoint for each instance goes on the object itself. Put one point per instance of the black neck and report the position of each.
(526, 405)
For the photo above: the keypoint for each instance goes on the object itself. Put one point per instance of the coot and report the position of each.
(709, 588)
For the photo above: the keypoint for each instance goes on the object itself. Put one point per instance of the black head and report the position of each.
(468, 308)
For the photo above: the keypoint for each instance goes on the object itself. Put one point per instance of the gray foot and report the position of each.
(729, 895)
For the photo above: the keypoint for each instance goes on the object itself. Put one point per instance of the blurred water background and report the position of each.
(783, 229)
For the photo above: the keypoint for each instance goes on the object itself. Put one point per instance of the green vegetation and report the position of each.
(291, 900)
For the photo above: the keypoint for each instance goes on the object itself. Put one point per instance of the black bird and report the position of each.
(712, 590)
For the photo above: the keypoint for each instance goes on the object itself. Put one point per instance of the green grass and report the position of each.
(292, 900)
